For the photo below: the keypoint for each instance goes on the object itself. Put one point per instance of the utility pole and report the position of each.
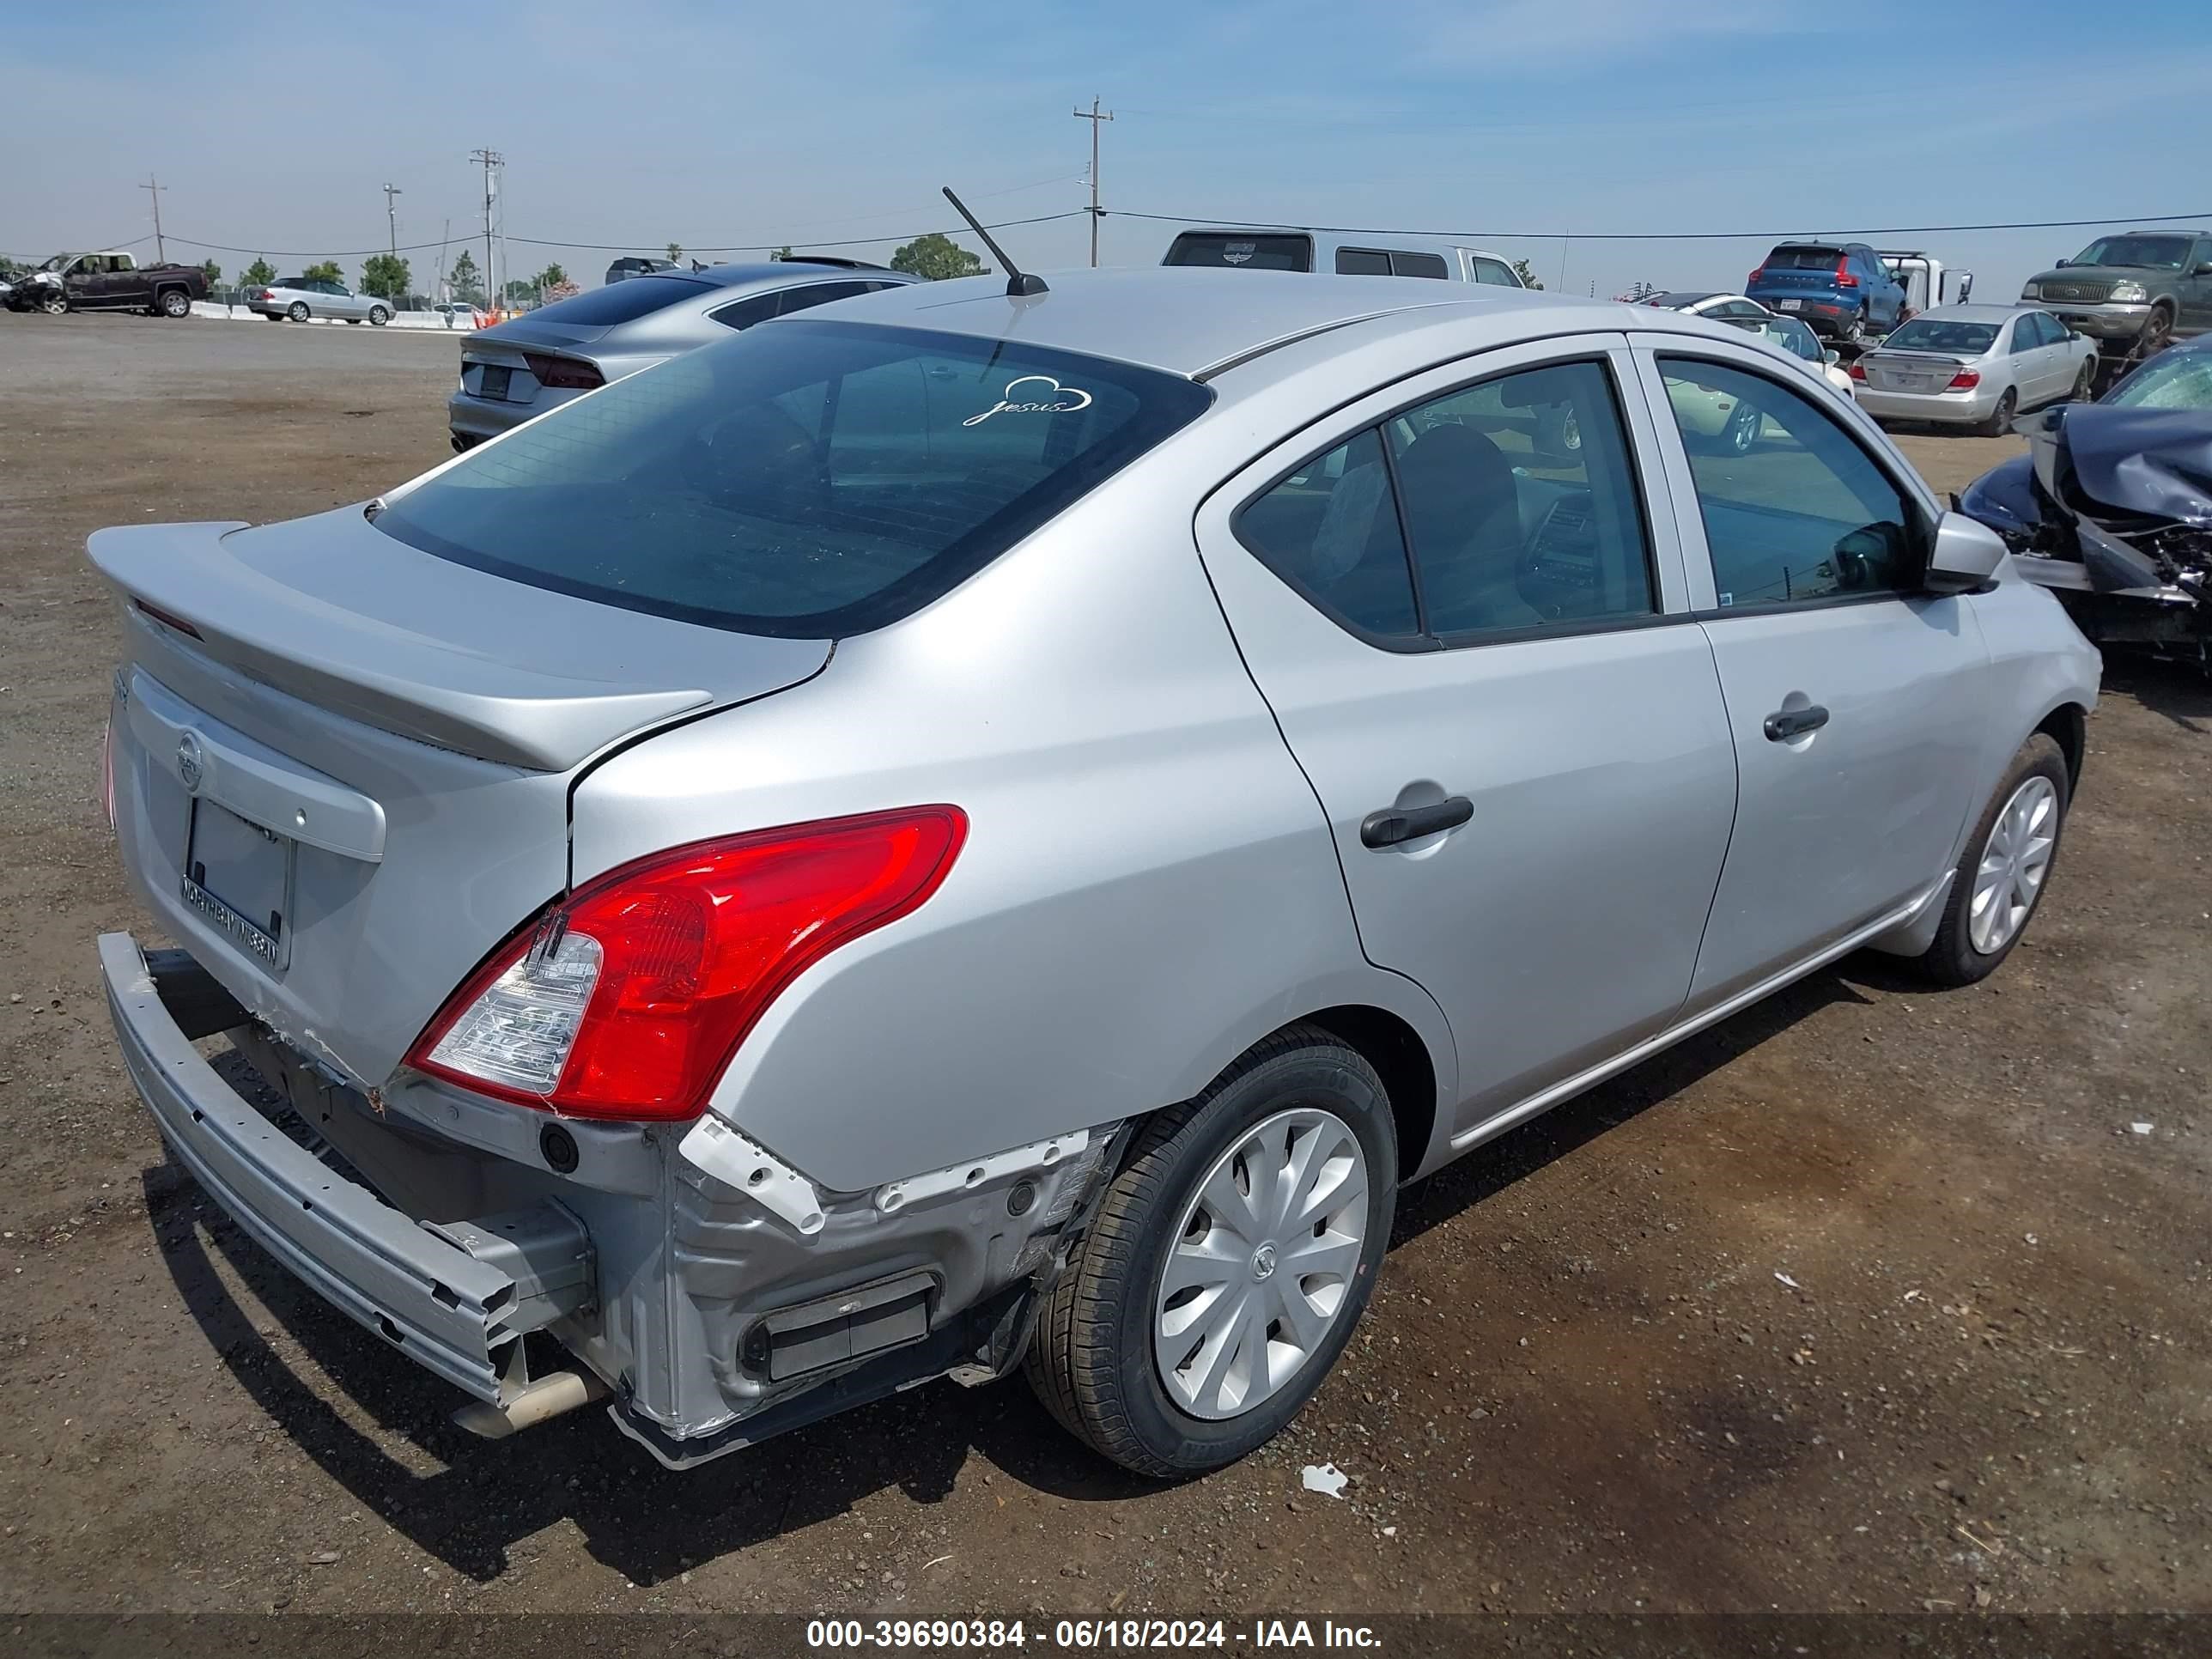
(392, 217)
(1094, 117)
(492, 162)
(160, 249)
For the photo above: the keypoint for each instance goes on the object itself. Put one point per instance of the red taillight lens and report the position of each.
(627, 1000)
(563, 373)
(1856, 371)
(1965, 380)
(1843, 278)
(1752, 281)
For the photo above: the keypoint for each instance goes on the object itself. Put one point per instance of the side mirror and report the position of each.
(1831, 356)
(2203, 270)
(1965, 555)
(2060, 265)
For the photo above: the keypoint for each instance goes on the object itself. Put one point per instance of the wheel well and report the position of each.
(2065, 724)
(1401, 1060)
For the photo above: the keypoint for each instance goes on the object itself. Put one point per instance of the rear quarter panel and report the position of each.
(1148, 885)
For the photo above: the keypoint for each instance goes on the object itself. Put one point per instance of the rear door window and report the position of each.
(1252, 252)
(1330, 530)
(1403, 263)
(811, 480)
(1362, 262)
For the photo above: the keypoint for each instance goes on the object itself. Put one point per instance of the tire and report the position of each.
(173, 303)
(297, 311)
(1746, 423)
(1093, 1360)
(2157, 334)
(2037, 782)
(2001, 418)
(55, 305)
(2084, 384)
(378, 316)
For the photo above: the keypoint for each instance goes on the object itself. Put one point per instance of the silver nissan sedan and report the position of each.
(993, 829)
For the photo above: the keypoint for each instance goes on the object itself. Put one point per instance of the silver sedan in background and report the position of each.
(978, 828)
(544, 358)
(302, 299)
(1976, 366)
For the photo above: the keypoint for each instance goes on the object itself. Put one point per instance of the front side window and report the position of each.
(1795, 511)
(811, 480)
(1496, 273)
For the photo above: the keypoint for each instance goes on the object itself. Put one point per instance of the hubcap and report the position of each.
(1263, 1263)
(2014, 861)
(1743, 429)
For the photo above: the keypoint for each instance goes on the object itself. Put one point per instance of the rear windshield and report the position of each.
(1803, 258)
(1933, 334)
(807, 479)
(2139, 252)
(619, 302)
(1249, 251)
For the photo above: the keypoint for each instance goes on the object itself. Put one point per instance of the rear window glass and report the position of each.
(1252, 253)
(1418, 264)
(619, 302)
(811, 480)
(1803, 258)
(1936, 334)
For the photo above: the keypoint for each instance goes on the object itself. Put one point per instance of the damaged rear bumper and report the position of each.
(449, 1310)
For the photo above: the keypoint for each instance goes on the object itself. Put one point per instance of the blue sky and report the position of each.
(274, 126)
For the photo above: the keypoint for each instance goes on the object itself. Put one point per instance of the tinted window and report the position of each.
(1362, 262)
(1936, 334)
(1805, 257)
(820, 294)
(1331, 531)
(1521, 504)
(808, 480)
(1496, 274)
(1251, 253)
(1419, 264)
(619, 302)
(1795, 511)
(744, 313)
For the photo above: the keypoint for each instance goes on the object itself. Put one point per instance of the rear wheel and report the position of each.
(173, 302)
(2007, 865)
(2000, 418)
(297, 311)
(1228, 1264)
(2085, 383)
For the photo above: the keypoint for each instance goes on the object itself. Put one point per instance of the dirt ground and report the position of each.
(1869, 1299)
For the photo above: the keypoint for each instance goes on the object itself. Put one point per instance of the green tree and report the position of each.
(676, 251)
(211, 271)
(1527, 273)
(551, 277)
(386, 276)
(465, 280)
(10, 267)
(327, 271)
(260, 273)
(936, 257)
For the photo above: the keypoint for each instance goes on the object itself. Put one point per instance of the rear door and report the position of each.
(1474, 636)
(1858, 702)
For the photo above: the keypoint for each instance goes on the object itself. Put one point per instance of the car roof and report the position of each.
(775, 273)
(1196, 321)
(1971, 314)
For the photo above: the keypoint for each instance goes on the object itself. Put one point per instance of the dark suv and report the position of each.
(2131, 293)
(1841, 289)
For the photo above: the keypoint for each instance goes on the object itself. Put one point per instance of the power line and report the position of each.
(1661, 236)
(748, 247)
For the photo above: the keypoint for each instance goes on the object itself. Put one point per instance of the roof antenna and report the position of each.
(1019, 284)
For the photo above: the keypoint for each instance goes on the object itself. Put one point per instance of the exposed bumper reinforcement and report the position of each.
(448, 1311)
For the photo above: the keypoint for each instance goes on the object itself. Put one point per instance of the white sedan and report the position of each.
(1977, 366)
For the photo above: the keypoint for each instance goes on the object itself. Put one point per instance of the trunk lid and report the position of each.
(342, 766)
(1911, 371)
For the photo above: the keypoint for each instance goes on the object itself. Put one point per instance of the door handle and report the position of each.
(1787, 723)
(1395, 825)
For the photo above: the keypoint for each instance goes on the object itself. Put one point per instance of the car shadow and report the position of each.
(2181, 692)
(347, 1396)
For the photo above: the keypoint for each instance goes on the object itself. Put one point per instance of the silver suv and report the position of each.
(981, 828)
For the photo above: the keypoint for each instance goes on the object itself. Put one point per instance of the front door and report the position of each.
(1858, 702)
(1483, 660)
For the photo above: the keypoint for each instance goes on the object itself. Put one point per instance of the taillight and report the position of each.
(1752, 281)
(1856, 370)
(563, 373)
(1843, 278)
(1965, 380)
(627, 999)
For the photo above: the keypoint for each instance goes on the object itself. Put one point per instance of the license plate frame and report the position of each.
(235, 871)
(493, 381)
(1791, 305)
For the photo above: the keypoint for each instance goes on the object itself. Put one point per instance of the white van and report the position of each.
(1347, 255)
